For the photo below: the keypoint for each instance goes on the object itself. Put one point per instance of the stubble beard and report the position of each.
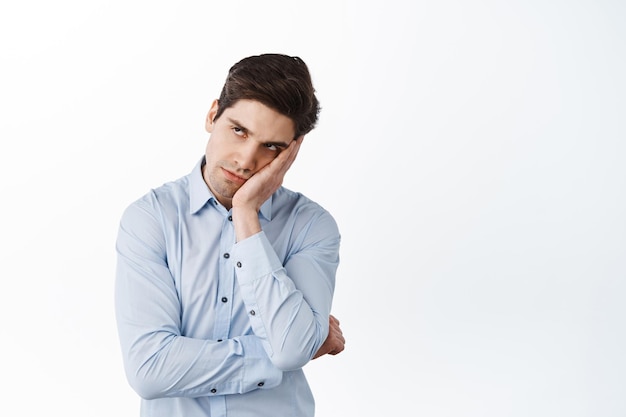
(219, 186)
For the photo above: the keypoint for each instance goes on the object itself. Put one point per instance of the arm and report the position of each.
(158, 360)
(288, 306)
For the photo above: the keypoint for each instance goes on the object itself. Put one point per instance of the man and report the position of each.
(225, 278)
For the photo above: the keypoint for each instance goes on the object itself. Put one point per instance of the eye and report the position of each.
(238, 131)
(271, 146)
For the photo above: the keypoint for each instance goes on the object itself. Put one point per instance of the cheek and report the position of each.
(265, 159)
(213, 147)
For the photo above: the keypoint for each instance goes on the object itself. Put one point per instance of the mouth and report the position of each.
(233, 177)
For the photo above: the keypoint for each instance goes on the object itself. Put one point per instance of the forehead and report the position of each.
(260, 121)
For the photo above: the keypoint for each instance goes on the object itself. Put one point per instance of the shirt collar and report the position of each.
(200, 194)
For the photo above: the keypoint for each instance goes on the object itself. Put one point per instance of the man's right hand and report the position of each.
(258, 188)
(334, 342)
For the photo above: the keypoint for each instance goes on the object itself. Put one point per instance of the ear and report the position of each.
(210, 117)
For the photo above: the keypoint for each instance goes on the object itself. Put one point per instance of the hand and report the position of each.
(266, 181)
(334, 342)
(258, 188)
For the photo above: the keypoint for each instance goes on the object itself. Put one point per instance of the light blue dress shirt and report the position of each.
(213, 327)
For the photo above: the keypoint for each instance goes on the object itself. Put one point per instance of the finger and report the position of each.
(283, 161)
(292, 152)
(336, 350)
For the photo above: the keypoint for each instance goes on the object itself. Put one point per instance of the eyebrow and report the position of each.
(238, 124)
(247, 131)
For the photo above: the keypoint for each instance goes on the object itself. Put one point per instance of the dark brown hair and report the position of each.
(280, 82)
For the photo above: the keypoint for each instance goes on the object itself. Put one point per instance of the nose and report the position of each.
(246, 156)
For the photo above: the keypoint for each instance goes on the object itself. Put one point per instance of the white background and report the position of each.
(472, 153)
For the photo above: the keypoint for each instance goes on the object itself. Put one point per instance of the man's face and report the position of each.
(245, 138)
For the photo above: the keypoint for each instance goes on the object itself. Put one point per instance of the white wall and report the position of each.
(471, 152)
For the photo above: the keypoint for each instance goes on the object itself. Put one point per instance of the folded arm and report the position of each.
(159, 361)
(289, 305)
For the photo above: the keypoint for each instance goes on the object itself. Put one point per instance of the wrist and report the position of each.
(246, 222)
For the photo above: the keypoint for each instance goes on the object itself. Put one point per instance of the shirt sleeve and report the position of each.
(289, 305)
(158, 360)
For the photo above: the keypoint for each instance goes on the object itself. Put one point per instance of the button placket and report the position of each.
(226, 280)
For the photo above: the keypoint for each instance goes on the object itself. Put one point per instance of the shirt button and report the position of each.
(224, 299)
(238, 264)
(252, 312)
(227, 255)
(230, 218)
(260, 384)
(219, 340)
(213, 390)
